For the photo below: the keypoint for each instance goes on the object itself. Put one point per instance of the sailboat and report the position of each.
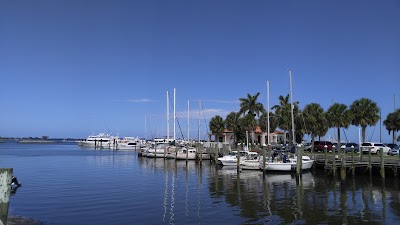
(287, 164)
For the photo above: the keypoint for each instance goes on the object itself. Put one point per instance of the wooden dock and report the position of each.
(371, 164)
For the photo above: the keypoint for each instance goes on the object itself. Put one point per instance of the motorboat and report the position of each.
(285, 164)
(101, 140)
(186, 153)
(157, 151)
(232, 159)
(128, 143)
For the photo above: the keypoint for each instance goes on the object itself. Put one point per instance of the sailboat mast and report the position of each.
(188, 120)
(174, 115)
(167, 117)
(145, 127)
(198, 134)
(268, 131)
(291, 107)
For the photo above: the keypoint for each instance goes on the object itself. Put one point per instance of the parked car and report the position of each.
(391, 145)
(374, 147)
(347, 147)
(307, 146)
(394, 151)
(320, 145)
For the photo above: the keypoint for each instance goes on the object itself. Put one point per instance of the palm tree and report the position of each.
(249, 123)
(217, 125)
(283, 114)
(262, 122)
(253, 108)
(314, 118)
(232, 124)
(338, 116)
(365, 113)
(250, 105)
(392, 123)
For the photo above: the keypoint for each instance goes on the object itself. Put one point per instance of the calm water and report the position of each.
(64, 184)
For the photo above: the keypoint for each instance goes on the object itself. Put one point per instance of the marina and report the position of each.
(68, 184)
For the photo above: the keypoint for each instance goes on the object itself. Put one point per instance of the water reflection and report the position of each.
(159, 191)
(278, 198)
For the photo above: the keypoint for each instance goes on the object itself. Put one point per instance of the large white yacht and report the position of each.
(101, 140)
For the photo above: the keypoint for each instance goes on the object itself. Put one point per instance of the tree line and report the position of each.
(312, 120)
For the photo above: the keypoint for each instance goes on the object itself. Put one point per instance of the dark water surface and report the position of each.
(65, 184)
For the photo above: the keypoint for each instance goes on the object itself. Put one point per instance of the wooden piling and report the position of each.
(199, 146)
(382, 163)
(238, 161)
(369, 161)
(353, 168)
(216, 155)
(299, 151)
(334, 160)
(326, 156)
(5, 190)
(342, 162)
(264, 157)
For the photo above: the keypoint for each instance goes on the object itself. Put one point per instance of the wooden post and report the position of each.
(238, 161)
(382, 164)
(216, 155)
(369, 161)
(165, 151)
(352, 161)
(299, 152)
(5, 190)
(264, 157)
(334, 160)
(361, 153)
(342, 162)
(326, 156)
(201, 153)
(187, 153)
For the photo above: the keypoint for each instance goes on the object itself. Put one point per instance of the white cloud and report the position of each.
(141, 100)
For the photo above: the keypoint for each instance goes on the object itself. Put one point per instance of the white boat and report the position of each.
(171, 152)
(157, 151)
(252, 161)
(99, 141)
(203, 156)
(231, 160)
(189, 153)
(288, 164)
(128, 143)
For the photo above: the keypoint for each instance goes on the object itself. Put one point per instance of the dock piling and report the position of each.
(342, 162)
(5, 190)
(353, 168)
(369, 161)
(299, 151)
(382, 163)
(326, 156)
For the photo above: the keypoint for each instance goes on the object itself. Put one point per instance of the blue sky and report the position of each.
(74, 68)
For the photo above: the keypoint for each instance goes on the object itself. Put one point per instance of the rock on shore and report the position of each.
(20, 220)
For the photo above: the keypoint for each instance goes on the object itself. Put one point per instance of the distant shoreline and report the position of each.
(39, 141)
